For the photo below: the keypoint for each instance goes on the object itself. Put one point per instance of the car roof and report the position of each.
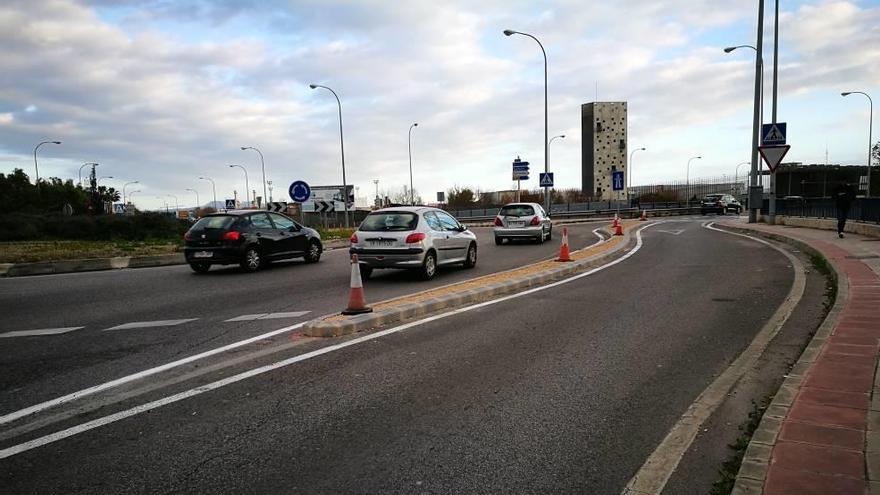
(521, 204)
(236, 213)
(406, 209)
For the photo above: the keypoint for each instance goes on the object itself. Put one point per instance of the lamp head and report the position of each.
(562, 136)
(415, 124)
(244, 148)
(313, 86)
(846, 93)
(56, 142)
(508, 32)
(729, 49)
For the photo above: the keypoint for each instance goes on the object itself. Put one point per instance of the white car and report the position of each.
(522, 221)
(418, 238)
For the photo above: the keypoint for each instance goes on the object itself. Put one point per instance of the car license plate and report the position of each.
(382, 243)
(518, 223)
(203, 254)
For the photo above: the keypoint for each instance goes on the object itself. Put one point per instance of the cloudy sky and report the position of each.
(163, 91)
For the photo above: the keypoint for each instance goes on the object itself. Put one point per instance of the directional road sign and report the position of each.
(617, 180)
(277, 206)
(520, 169)
(773, 134)
(299, 191)
(230, 204)
(545, 179)
(323, 206)
(773, 155)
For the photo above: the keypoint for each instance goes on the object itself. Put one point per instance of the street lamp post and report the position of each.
(132, 194)
(36, 167)
(342, 149)
(870, 132)
(629, 172)
(509, 32)
(561, 136)
(104, 177)
(688, 178)
(176, 204)
(126, 185)
(262, 166)
(198, 202)
(213, 189)
(247, 186)
(736, 173)
(81, 170)
(412, 201)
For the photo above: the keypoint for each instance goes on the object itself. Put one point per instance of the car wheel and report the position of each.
(499, 241)
(722, 211)
(429, 266)
(540, 238)
(471, 260)
(200, 267)
(550, 234)
(366, 271)
(313, 255)
(252, 261)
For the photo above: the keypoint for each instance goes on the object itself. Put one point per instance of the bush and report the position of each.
(32, 227)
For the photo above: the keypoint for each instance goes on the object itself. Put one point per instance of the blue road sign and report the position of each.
(773, 134)
(119, 208)
(230, 204)
(545, 179)
(299, 191)
(617, 180)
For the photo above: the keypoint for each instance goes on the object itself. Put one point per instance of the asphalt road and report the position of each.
(37, 368)
(565, 390)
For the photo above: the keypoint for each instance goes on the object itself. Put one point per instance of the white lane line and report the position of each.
(32, 333)
(150, 324)
(60, 435)
(137, 376)
(269, 316)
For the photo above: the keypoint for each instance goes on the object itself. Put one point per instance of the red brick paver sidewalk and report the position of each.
(828, 439)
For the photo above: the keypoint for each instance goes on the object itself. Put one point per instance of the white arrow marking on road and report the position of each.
(32, 333)
(673, 232)
(150, 324)
(75, 430)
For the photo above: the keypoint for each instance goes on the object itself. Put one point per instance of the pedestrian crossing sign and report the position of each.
(546, 179)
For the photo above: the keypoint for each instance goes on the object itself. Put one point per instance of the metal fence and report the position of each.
(586, 207)
(862, 210)
(696, 188)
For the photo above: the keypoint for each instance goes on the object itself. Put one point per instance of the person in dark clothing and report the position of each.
(843, 198)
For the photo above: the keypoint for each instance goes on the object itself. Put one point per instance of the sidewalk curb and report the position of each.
(852, 227)
(756, 461)
(337, 328)
(103, 264)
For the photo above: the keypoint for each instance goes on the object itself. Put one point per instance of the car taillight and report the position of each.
(534, 221)
(354, 238)
(498, 222)
(232, 235)
(415, 237)
(187, 236)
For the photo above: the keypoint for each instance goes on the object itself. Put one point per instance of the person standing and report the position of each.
(843, 198)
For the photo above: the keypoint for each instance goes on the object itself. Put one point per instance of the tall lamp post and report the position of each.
(213, 189)
(629, 171)
(412, 201)
(176, 204)
(81, 170)
(509, 32)
(198, 202)
(247, 186)
(262, 166)
(736, 173)
(870, 132)
(342, 149)
(132, 194)
(36, 167)
(126, 185)
(561, 136)
(99, 179)
(688, 178)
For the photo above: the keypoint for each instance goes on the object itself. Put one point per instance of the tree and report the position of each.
(460, 197)
(402, 197)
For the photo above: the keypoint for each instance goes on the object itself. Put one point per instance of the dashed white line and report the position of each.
(269, 316)
(33, 333)
(60, 435)
(150, 324)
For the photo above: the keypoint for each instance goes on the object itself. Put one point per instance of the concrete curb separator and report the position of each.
(101, 264)
(862, 228)
(756, 461)
(338, 327)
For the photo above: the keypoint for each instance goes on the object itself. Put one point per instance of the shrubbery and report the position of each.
(151, 226)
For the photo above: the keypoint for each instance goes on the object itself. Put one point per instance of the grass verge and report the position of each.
(334, 234)
(730, 468)
(34, 251)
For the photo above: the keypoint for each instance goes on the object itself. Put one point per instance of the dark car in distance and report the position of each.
(720, 204)
(249, 238)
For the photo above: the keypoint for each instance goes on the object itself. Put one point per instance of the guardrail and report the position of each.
(564, 208)
(862, 209)
(624, 213)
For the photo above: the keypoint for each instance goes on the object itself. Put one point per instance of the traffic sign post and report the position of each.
(277, 206)
(773, 156)
(520, 173)
(617, 182)
(299, 191)
(230, 204)
(773, 134)
(545, 179)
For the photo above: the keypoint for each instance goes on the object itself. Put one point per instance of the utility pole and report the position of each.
(756, 193)
(772, 211)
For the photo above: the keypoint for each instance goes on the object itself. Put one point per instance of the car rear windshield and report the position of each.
(713, 198)
(517, 211)
(216, 222)
(389, 221)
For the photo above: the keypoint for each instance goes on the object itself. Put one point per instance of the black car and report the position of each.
(720, 204)
(250, 238)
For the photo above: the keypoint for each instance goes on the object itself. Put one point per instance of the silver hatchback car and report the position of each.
(419, 238)
(522, 221)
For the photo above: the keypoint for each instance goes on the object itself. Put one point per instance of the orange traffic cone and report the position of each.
(644, 215)
(357, 304)
(616, 222)
(618, 230)
(564, 254)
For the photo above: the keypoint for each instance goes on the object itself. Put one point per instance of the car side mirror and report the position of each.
(463, 227)
(293, 228)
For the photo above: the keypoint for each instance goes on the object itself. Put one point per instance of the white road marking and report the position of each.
(673, 232)
(32, 333)
(269, 316)
(150, 324)
(60, 435)
(137, 376)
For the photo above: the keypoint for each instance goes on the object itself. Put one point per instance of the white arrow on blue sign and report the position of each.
(617, 180)
(299, 191)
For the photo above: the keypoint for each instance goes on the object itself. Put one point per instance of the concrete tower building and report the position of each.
(604, 146)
